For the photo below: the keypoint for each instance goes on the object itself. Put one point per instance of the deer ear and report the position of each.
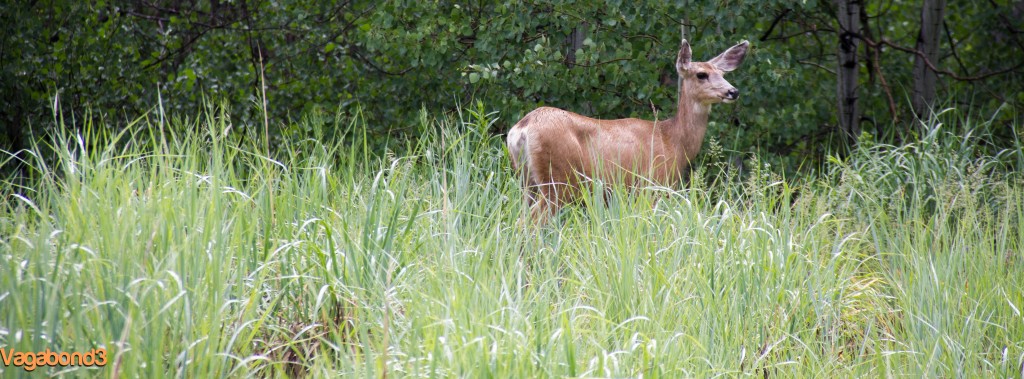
(683, 60)
(730, 59)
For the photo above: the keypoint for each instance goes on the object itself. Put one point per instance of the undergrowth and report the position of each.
(200, 254)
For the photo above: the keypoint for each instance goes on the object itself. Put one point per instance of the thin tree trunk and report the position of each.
(848, 13)
(923, 97)
(575, 42)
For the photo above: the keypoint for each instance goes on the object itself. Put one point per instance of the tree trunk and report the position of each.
(575, 42)
(923, 97)
(848, 13)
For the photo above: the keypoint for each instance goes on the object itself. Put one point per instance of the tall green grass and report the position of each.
(198, 254)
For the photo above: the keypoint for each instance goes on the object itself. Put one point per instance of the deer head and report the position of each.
(704, 82)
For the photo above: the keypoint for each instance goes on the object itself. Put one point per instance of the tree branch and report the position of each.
(816, 64)
(952, 46)
(885, 85)
(931, 66)
(775, 22)
(369, 62)
(577, 64)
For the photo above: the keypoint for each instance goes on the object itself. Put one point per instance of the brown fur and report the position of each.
(556, 151)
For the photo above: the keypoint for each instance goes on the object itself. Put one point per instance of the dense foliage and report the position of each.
(387, 60)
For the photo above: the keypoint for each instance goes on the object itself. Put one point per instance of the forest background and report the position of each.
(821, 74)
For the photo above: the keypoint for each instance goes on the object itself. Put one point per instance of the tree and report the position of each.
(848, 13)
(928, 47)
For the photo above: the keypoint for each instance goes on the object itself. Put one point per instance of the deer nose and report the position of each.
(733, 94)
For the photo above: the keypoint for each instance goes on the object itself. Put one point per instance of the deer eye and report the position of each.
(702, 75)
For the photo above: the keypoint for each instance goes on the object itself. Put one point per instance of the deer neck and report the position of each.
(686, 130)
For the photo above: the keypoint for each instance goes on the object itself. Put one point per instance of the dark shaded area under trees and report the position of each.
(819, 72)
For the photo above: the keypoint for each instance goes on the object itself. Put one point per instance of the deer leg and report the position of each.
(540, 212)
(532, 200)
(543, 205)
(530, 194)
(551, 198)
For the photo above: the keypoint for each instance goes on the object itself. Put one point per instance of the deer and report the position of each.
(557, 151)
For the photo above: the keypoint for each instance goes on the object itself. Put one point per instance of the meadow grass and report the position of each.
(197, 254)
